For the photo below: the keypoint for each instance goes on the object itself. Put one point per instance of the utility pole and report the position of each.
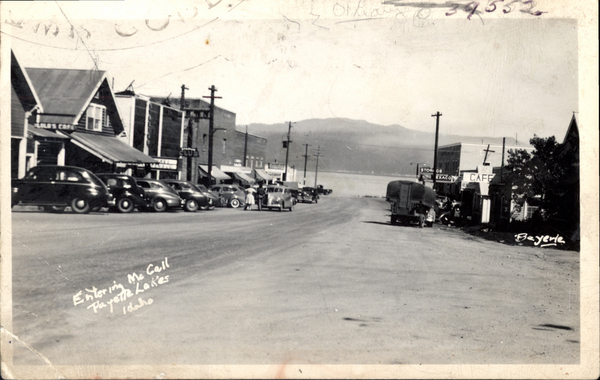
(305, 160)
(190, 131)
(246, 146)
(210, 130)
(287, 152)
(437, 130)
(502, 164)
(317, 167)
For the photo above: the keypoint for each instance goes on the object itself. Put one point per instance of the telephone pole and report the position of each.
(246, 146)
(317, 167)
(190, 131)
(287, 152)
(305, 160)
(211, 130)
(437, 129)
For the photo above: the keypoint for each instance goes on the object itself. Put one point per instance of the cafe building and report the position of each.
(79, 123)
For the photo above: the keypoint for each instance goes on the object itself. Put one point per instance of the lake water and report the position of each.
(353, 185)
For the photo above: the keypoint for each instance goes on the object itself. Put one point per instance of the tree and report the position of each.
(542, 178)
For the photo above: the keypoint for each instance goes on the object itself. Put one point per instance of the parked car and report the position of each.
(125, 190)
(188, 191)
(278, 197)
(55, 187)
(229, 195)
(160, 196)
(308, 195)
(213, 199)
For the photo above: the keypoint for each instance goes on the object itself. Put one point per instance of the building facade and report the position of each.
(79, 123)
(23, 102)
(154, 129)
(229, 144)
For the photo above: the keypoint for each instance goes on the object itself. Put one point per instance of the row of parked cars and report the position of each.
(57, 187)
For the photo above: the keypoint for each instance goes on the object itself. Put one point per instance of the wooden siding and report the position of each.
(17, 115)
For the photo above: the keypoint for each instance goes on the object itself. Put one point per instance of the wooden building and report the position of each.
(80, 124)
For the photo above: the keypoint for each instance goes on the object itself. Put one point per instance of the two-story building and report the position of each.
(155, 129)
(80, 124)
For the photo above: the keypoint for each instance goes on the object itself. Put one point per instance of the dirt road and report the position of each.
(329, 283)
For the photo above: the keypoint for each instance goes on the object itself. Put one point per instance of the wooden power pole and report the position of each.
(211, 130)
(287, 152)
(437, 130)
(305, 160)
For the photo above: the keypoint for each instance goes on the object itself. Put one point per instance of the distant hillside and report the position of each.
(356, 145)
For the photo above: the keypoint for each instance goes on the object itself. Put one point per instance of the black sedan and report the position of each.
(125, 190)
(194, 197)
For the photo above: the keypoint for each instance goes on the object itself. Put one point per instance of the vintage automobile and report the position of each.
(308, 195)
(411, 202)
(229, 195)
(321, 190)
(278, 197)
(193, 196)
(125, 190)
(160, 196)
(213, 199)
(55, 187)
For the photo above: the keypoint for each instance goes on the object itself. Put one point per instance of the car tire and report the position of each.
(159, 205)
(55, 209)
(234, 203)
(125, 205)
(191, 205)
(80, 206)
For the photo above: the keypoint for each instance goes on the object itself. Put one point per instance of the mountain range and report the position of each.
(357, 146)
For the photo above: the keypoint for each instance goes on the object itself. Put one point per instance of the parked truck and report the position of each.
(411, 202)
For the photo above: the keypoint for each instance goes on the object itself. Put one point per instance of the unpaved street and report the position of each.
(329, 283)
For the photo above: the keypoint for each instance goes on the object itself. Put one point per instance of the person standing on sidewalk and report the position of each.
(260, 194)
(249, 197)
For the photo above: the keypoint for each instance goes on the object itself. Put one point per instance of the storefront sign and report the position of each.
(129, 165)
(58, 126)
(276, 166)
(480, 177)
(429, 170)
(189, 152)
(164, 164)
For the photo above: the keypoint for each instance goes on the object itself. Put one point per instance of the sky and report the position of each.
(488, 76)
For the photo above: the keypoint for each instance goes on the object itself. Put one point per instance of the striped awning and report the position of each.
(109, 149)
(260, 174)
(215, 172)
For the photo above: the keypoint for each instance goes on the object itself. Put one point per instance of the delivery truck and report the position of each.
(411, 202)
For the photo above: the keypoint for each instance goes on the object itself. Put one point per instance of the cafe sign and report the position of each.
(164, 164)
(56, 126)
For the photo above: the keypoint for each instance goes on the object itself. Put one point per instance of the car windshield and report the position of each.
(199, 188)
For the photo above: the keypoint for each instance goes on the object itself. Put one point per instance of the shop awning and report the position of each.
(241, 177)
(109, 149)
(44, 133)
(216, 172)
(261, 175)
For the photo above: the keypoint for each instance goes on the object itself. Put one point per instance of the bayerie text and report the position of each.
(117, 293)
(541, 240)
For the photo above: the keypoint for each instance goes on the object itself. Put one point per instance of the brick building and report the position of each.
(229, 144)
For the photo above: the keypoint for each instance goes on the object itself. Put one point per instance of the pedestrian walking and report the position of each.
(260, 194)
(249, 197)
